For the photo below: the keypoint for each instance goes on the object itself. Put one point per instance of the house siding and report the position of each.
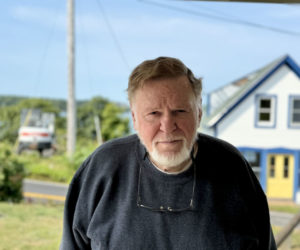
(238, 127)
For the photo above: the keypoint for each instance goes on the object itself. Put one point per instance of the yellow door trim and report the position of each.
(280, 176)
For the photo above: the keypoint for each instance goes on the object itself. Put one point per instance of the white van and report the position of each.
(36, 131)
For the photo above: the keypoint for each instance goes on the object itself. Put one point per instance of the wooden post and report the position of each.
(98, 129)
(71, 103)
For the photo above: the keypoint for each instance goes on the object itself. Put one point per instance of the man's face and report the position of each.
(166, 117)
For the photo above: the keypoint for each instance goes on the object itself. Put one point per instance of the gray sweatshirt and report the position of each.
(119, 200)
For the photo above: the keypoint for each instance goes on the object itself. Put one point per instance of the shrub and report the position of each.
(12, 174)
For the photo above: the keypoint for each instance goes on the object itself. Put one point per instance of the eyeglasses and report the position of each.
(164, 208)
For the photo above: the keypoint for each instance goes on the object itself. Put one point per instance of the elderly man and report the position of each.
(167, 187)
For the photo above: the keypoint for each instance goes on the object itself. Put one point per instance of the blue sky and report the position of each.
(33, 42)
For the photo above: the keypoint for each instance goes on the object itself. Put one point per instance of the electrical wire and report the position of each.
(41, 65)
(224, 19)
(87, 56)
(113, 34)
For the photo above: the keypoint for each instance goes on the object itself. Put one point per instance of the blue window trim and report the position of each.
(216, 134)
(287, 60)
(208, 105)
(262, 170)
(257, 98)
(291, 98)
(263, 164)
(296, 173)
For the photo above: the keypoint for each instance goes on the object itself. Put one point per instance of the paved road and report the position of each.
(281, 219)
(42, 190)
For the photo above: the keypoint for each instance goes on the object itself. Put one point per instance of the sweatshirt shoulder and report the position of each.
(110, 153)
(214, 145)
(117, 145)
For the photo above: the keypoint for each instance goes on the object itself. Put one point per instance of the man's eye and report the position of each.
(180, 111)
(153, 113)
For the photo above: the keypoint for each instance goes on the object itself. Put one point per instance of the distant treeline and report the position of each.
(6, 100)
(114, 116)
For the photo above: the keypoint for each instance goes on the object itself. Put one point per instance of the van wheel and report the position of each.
(20, 149)
(41, 151)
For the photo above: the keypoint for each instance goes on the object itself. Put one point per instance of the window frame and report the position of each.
(292, 124)
(256, 154)
(273, 111)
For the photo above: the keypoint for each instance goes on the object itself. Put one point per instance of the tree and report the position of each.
(112, 116)
(42, 104)
(10, 116)
(85, 117)
(113, 124)
(9, 123)
(12, 173)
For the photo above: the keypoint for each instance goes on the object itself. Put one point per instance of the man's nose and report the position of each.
(168, 123)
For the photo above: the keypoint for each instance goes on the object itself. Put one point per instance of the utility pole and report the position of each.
(98, 129)
(71, 103)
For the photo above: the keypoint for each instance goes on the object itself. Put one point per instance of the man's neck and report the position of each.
(179, 168)
(175, 170)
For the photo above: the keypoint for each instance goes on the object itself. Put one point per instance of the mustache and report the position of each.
(169, 139)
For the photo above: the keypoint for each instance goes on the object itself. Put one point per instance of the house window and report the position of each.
(294, 115)
(253, 157)
(265, 111)
(272, 167)
(286, 167)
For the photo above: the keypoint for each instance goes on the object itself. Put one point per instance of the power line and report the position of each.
(111, 30)
(45, 52)
(218, 12)
(87, 57)
(225, 19)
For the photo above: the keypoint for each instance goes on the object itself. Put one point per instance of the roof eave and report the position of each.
(215, 120)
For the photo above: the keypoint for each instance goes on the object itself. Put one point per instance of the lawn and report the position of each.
(293, 242)
(285, 208)
(57, 167)
(30, 226)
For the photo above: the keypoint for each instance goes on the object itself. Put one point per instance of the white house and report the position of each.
(260, 114)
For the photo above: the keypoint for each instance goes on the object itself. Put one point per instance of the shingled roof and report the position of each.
(225, 99)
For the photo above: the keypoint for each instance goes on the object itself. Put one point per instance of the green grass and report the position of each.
(286, 208)
(27, 226)
(293, 242)
(56, 168)
(30, 226)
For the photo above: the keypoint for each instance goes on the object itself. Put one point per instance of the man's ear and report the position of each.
(134, 120)
(199, 111)
(199, 117)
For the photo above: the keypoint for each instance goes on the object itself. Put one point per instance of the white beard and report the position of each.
(171, 160)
